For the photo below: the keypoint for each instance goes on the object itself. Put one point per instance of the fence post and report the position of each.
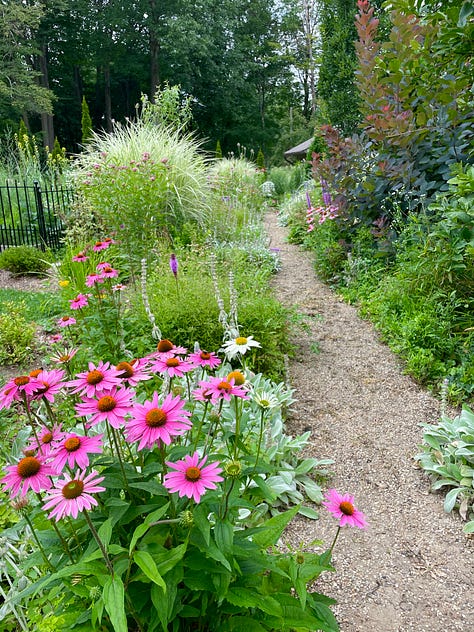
(40, 215)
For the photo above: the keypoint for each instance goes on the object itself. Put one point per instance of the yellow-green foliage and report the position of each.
(16, 333)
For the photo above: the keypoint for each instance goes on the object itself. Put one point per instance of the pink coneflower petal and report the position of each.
(191, 478)
(174, 366)
(133, 372)
(80, 301)
(74, 450)
(66, 321)
(204, 359)
(154, 422)
(222, 388)
(70, 496)
(29, 473)
(342, 507)
(16, 389)
(111, 406)
(97, 379)
(47, 437)
(48, 384)
(81, 257)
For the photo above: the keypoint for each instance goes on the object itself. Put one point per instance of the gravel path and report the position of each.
(412, 570)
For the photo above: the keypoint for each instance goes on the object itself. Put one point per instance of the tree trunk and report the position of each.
(47, 125)
(107, 98)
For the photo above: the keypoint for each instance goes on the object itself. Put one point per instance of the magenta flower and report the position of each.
(133, 372)
(97, 379)
(109, 273)
(101, 245)
(30, 472)
(80, 301)
(48, 384)
(174, 265)
(203, 358)
(223, 388)
(118, 287)
(46, 437)
(103, 264)
(16, 389)
(202, 393)
(93, 279)
(56, 338)
(81, 257)
(343, 508)
(191, 479)
(113, 407)
(153, 422)
(66, 321)
(74, 450)
(173, 366)
(73, 495)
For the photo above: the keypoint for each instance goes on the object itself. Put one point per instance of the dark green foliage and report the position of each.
(218, 150)
(260, 159)
(24, 260)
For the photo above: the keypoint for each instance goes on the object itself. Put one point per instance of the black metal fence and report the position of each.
(31, 215)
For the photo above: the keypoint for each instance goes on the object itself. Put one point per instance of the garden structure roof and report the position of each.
(299, 151)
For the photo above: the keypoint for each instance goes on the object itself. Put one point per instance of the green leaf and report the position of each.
(245, 624)
(450, 499)
(147, 564)
(469, 527)
(143, 528)
(272, 529)
(105, 532)
(114, 596)
(308, 512)
(202, 522)
(224, 536)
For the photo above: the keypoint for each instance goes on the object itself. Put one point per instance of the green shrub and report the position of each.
(16, 334)
(24, 260)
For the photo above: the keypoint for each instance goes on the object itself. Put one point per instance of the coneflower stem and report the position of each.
(35, 537)
(335, 538)
(100, 543)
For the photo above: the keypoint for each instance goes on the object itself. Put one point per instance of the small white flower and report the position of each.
(238, 345)
(265, 400)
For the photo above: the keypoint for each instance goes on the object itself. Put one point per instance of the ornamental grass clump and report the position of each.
(144, 490)
(144, 182)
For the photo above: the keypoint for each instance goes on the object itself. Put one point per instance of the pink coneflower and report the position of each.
(166, 346)
(74, 450)
(97, 379)
(93, 279)
(343, 508)
(133, 372)
(48, 384)
(31, 472)
(112, 406)
(118, 287)
(204, 358)
(103, 264)
(191, 479)
(73, 495)
(202, 393)
(80, 301)
(81, 257)
(56, 338)
(46, 438)
(101, 245)
(153, 422)
(223, 388)
(173, 366)
(66, 321)
(64, 357)
(109, 273)
(16, 389)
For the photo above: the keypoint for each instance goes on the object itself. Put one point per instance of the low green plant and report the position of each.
(25, 260)
(448, 457)
(17, 335)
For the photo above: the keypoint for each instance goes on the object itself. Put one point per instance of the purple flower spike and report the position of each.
(308, 200)
(174, 265)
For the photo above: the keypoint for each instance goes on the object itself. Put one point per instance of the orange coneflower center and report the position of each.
(224, 386)
(44, 388)
(22, 380)
(35, 373)
(47, 437)
(237, 376)
(241, 340)
(72, 444)
(73, 489)
(108, 269)
(106, 404)
(94, 377)
(192, 474)
(172, 362)
(347, 508)
(65, 318)
(164, 345)
(155, 418)
(64, 358)
(126, 369)
(205, 355)
(29, 466)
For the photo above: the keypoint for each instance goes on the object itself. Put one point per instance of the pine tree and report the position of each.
(218, 150)
(86, 122)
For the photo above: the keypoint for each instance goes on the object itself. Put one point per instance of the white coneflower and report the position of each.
(155, 331)
(266, 400)
(239, 345)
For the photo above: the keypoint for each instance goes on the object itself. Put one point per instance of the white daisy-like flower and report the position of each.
(239, 345)
(266, 400)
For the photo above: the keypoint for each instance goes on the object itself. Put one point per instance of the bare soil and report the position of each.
(412, 569)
